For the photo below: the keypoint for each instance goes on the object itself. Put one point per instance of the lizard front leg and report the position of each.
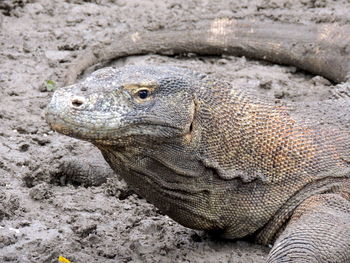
(318, 231)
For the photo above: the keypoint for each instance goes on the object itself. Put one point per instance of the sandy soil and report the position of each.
(47, 211)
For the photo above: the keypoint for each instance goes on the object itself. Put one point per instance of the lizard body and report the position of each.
(215, 158)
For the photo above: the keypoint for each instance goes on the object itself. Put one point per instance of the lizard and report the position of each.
(214, 157)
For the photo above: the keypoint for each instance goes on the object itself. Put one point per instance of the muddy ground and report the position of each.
(46, 210)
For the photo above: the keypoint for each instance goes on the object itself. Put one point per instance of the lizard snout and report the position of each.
(78, 102)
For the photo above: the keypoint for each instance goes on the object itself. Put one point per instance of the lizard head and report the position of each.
(112, 106)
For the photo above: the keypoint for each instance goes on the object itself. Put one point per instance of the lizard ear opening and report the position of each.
(192, 130)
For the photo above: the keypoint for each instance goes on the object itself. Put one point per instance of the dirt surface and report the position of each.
(46, 210)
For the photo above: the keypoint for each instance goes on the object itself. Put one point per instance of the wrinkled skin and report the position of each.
(168, 147)
(215, 158)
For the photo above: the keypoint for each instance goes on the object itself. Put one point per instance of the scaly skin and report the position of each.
(320, 49)
(215, 158)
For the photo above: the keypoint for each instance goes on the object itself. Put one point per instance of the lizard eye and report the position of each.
(143, 94)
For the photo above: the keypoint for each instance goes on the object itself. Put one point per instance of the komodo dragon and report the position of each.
(213, 157)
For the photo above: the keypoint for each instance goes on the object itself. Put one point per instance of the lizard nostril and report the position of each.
(77, 102)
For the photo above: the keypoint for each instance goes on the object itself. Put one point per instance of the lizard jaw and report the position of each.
(67, 114)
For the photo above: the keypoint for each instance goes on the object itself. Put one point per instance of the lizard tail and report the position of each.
(319, 49)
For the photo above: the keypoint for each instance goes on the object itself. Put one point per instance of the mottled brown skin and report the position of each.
(215, 158)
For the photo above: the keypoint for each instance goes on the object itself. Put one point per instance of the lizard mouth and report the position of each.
(112, 123)
(102, 128)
